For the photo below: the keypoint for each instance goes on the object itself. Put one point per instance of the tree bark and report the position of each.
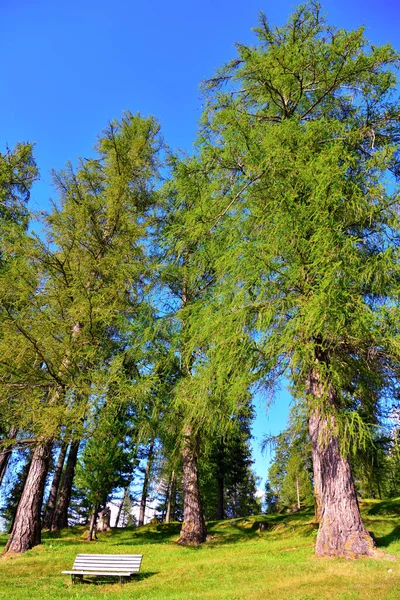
(341, 531)
(103, 523)
(51, 501)
(298, 493)
(170, 515)
(26, 530)
(92, 524)
(143, 500)
(193, 530)
(60, 515)
(121, 506)
(5, 454)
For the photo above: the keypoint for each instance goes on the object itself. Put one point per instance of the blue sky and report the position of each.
(70, 67)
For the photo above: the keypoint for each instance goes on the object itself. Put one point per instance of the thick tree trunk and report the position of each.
(26, 531)
(5, 454)
(51, 501)
(341, 531)
(60, 515)
(220, 499)
(193, 528)
(170, 515)
(146, 479)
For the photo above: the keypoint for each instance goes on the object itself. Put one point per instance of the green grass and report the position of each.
(238, 562)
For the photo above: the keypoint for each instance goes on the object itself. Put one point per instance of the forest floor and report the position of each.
(238, 562)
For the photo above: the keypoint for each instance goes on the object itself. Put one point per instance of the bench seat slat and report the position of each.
(92, 566)
(108, 562)
(117, 574)
(104, 568)
(111, 555)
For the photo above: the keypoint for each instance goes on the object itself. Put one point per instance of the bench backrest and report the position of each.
(108, 562)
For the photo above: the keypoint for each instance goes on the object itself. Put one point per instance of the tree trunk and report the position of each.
(121, 506)
(92, 524)
(5, 454)
(143, 500)
(103, 523)
(220, 499)
(26, 531)
(298, 493)
(341, 531)
(60, 515)
(171, 499)
(51, 501)
(193, 528)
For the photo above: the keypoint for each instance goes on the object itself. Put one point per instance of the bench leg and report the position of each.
(75, 577)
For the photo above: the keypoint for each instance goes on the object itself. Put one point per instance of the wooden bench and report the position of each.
(108, 565)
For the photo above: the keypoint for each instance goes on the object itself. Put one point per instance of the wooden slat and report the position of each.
(116, 574)
(126, 566)
(111, 562)
(110, 555)
(105, 568)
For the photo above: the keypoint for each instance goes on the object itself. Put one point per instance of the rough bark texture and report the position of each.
(193, 528)
(51, 501)
(60, 515)
(5, 454)
(143, 500)
(170, 515)
(341, 531)
(26, 531)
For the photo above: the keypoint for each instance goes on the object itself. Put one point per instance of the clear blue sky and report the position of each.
(70, 67)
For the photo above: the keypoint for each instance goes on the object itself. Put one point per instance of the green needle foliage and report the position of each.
(297, 202)
(294, 195)
(68, 303)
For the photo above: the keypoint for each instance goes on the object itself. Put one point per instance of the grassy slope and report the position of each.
(238, 562)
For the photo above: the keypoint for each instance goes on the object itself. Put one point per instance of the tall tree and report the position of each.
(83, 285)
(298, 155)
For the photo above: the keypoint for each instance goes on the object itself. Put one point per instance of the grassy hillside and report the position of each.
(238, 562)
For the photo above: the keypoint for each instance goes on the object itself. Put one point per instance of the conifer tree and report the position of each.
(298, 158)
(76, 293)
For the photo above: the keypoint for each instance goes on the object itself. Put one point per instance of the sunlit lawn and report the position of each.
(238, 562)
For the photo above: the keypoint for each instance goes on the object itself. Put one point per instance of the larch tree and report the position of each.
(300, 139)
(206, 409)
(75, 293)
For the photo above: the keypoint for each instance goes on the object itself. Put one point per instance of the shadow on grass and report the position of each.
(386, 540)
(154, 534)
(385, 507)
(99, 580)
(270, 525)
